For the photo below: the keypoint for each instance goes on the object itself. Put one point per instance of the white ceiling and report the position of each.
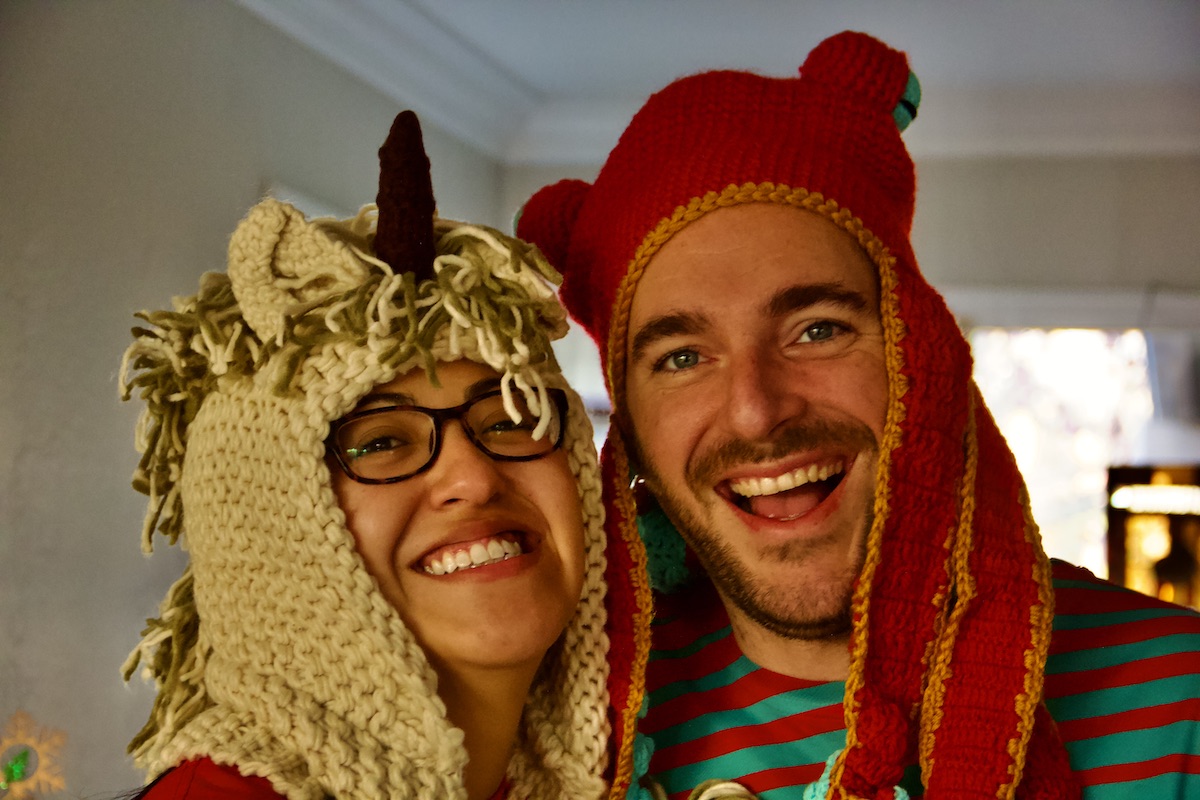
(555, 81)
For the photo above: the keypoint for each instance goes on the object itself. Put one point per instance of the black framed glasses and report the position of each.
(392, 443)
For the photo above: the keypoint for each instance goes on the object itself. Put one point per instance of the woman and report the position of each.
(390, 503)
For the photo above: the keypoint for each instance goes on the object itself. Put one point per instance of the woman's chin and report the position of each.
(510, 633)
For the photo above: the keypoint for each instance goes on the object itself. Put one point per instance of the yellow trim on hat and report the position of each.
(1041, 618)
(942, 647)
(894, 331)
(639, 580)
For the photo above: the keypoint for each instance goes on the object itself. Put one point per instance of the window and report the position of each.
(1070, 402)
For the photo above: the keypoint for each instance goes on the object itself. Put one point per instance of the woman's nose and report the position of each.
(462, 472)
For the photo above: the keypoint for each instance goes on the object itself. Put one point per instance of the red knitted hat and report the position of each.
(953, 608)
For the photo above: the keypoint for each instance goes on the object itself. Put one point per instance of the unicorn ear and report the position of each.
(279, 260)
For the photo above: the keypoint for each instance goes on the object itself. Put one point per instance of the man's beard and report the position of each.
(817, 610)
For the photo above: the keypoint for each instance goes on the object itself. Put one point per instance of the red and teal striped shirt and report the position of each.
(1122, 681)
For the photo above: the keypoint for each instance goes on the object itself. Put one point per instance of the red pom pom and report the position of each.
(548, 219)
(860, 66)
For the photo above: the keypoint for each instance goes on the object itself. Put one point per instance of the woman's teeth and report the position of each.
(479, 554)
(757, 487)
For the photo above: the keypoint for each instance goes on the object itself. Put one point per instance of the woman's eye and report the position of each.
(380, 444)
(677, 360)
(506, 425)
(501, 424)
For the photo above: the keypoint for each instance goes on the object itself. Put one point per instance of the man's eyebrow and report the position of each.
(660, 327)
(797, 297)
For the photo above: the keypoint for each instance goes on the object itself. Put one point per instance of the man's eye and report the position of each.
(677, 360)
(820, 332)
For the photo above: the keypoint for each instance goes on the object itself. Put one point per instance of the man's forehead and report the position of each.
(743, 239)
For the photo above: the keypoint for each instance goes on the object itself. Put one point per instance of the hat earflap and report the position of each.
(666, 552)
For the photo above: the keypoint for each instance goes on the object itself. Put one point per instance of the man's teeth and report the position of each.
(479, 554)
(757, 487)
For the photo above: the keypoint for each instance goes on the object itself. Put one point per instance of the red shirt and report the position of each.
(206, 780)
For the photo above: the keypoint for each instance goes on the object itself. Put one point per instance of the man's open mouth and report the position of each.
(787, 496)
(472, 555)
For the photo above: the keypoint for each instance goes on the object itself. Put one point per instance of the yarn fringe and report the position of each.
(170, 656)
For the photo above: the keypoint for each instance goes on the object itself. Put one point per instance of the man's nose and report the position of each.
(462, 472)
(760, 394)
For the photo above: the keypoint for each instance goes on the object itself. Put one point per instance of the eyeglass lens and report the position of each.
(390, 443)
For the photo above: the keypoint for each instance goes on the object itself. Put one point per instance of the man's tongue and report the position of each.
(787, 505)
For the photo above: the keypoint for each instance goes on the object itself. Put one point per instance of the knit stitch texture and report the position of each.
(275, 652)
(952, 610)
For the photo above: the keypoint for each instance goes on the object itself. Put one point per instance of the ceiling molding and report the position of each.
(952, 123)
(422, 63)
(395, 48)
(573, 132)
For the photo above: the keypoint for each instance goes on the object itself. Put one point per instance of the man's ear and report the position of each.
(633, 453)
(642, 494)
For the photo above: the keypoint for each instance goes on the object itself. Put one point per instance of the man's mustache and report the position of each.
(796, 437)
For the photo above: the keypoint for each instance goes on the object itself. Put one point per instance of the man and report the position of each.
(874, 613)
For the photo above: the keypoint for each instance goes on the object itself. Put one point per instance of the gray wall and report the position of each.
(133, 137)
(1058, 222)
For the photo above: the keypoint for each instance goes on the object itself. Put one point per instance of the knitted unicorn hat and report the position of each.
(951, 613)
(275, 651)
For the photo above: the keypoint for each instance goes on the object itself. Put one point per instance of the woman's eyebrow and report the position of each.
(793, 298)
(386, 399)
(402, 399)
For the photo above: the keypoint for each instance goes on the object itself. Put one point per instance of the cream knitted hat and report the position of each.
(275, 651)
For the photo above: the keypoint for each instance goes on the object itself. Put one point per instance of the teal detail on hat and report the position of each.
(643, 751)
(906, 110)
(666, 554)
(820, 789)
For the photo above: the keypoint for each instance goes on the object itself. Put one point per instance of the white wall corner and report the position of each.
(394, 47)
